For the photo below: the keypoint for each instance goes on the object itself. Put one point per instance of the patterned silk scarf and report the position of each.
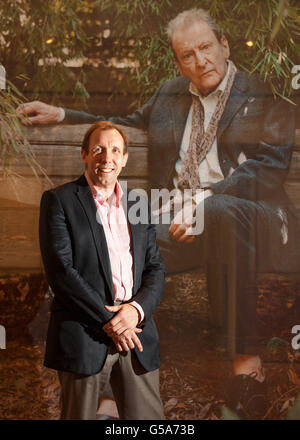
(201, 140)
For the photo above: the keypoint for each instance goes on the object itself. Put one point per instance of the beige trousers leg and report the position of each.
(136, 390)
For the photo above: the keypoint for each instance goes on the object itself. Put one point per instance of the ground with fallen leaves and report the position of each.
(194, 367)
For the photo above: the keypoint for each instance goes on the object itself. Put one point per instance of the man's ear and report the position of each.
(83, 156)
(226, 49)
(179, 67)
(125, 158)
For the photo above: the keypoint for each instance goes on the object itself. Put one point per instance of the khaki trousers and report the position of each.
(136, 391)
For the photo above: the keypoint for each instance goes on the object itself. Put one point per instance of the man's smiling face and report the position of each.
(201, 57)
(105, 158)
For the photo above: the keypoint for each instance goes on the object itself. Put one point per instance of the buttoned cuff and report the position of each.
(200, 196)
(139, 309)
(62, 114)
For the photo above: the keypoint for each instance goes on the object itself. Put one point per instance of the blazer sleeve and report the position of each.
(65, 281)
(138, 119)
(263, 173)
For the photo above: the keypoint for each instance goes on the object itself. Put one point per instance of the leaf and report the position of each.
(227, 414)
(294, 15)
(287, 404)
(293, 377)
(203, 412)
(276, 342)
(294, 412)
(180, 405)
(170, 404)
(278, 22)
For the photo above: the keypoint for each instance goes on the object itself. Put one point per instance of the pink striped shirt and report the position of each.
(117, 233)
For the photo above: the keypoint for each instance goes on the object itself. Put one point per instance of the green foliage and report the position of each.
(294, 412)
(13, 144)
(273, 26)
(37, 38)
(275, 342)
(227, 414)
(41, 37)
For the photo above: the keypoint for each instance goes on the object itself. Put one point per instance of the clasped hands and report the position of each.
(122, 328)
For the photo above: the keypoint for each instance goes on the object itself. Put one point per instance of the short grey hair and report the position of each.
(191, 16)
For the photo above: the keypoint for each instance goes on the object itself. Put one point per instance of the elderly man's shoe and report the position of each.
(247, 397)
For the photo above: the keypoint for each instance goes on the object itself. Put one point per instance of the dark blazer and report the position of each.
(255, 139)
(77, 266)
(254, 123)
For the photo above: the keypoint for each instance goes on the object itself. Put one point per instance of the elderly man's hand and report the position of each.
(182, 225)
(39, 113)
(181, 232)
(189, 221)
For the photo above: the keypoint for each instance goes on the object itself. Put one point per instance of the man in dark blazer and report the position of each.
(249, 223)
(107, 277)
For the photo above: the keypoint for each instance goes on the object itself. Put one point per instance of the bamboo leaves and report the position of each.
(13, 143)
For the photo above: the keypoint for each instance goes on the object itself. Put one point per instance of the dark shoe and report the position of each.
(247, 397)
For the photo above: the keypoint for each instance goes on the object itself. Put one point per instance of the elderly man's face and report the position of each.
(200, 56)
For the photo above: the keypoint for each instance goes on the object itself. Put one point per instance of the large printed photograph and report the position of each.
(150, 210)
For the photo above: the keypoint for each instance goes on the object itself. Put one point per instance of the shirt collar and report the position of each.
(113, 200)
(220, 89)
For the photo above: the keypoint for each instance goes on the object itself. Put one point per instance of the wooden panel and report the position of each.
(62, 163)
(293, 191)
(29, 190)
(20, 196)
(18, 236)
(297, 140)
(65, 160)
(23, 189)
(73, 134)
(65, 138)
(59, 160)
(294, 173)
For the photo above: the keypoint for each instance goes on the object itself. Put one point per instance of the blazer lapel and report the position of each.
(236, 99)
(180, 107)
(134, 236)
(87, 201)
(181, 103)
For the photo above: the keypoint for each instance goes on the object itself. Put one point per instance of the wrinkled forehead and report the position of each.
(193, 34)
